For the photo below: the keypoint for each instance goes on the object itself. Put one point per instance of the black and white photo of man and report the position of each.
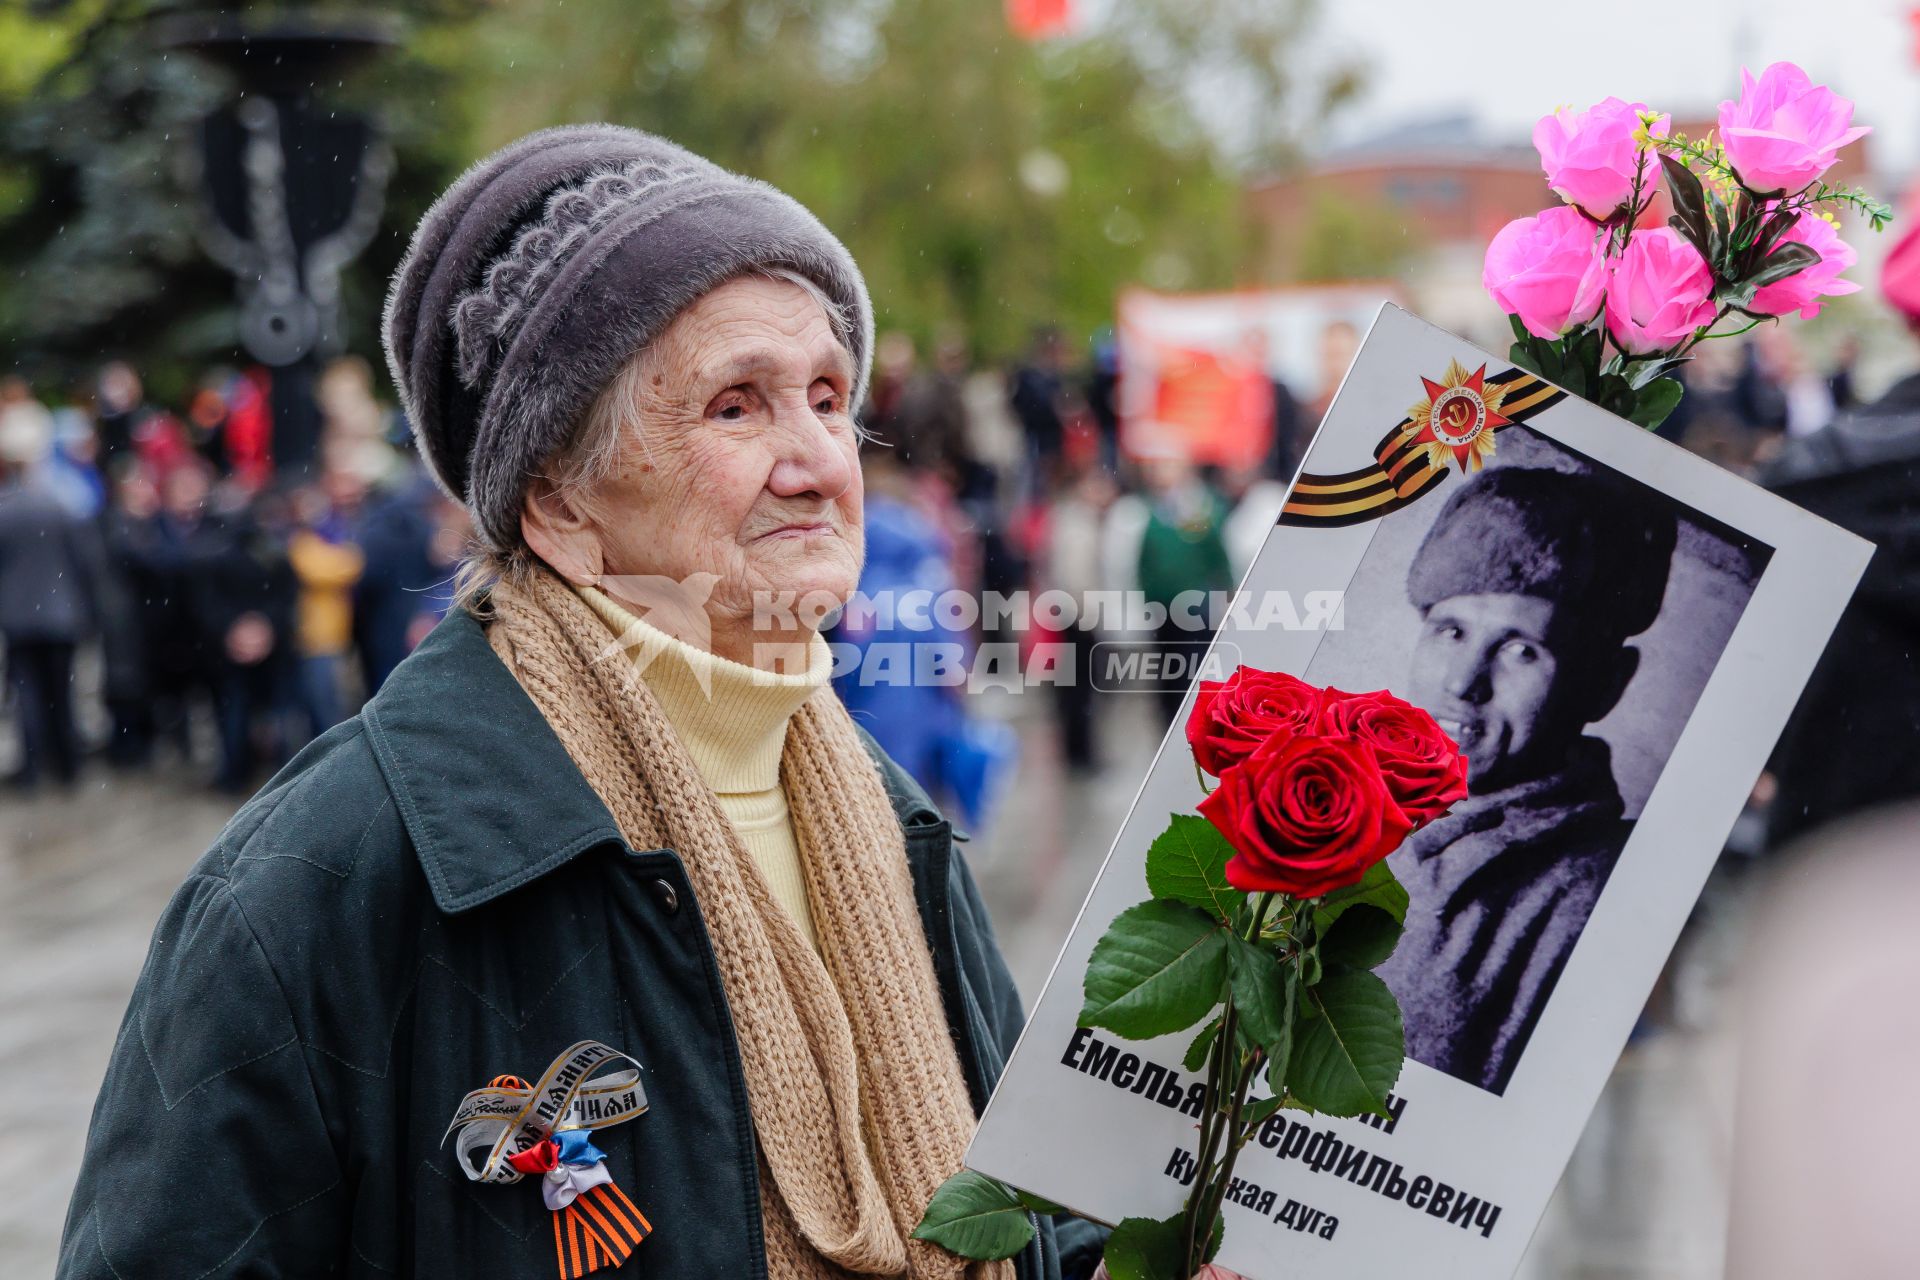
(1530, 585)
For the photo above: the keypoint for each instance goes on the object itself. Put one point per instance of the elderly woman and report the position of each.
(602, 938)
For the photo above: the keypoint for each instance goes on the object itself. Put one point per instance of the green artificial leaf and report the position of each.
(1520, 333)
(1378, 888)
(1188, 863)
(1645, 371)
(1578, 361)
(1034, 1204)
(976, 1217)
(1657, 399)
(1522, 355)
(1587, 346)
(1572, 375)
(1689, 204)
(1146, 1249)
(1722, 232)
(1197, 1051)
(1550, 358)
(1616, 394)
(1259, 990)
(1159, 968)
(1346, 1060)
(1362, 938)
(1787, 260)
(1777, 225)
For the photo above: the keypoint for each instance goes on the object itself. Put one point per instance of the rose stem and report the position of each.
(1210, 1191)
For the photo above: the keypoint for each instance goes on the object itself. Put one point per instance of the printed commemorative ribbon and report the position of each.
(1455, 423)
(511, 1130)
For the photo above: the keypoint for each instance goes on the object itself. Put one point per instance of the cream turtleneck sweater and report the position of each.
(732, 719)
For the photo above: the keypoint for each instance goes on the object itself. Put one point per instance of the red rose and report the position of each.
(1424, 770)
(1305, 815)
(1233, 717)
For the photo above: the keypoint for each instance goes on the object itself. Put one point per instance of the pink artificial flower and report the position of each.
(1785, 131)
(1660, 293)
(1591, 156)
(1550, 270)
(1803, 290)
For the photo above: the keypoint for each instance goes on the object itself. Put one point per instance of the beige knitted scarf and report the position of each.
(856, 1091)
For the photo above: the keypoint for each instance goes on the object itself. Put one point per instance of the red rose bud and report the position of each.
(1305, 815)
(1423, 768)
(1233, 717)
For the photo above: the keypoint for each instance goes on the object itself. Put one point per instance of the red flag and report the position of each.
(1039, 19)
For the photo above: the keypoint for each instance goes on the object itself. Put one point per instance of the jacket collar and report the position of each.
(490, 798)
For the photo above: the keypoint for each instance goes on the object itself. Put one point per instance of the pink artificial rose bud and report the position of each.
(1803, 290)
(1785, 131)
(1550, 270)
(1592, 156)
(1660, 293)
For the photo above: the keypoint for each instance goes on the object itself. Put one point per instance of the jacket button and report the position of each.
(665, 894)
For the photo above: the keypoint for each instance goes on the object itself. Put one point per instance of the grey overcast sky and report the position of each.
(1510, 63)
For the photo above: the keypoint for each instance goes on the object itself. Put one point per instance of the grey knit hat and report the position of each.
(546, 266)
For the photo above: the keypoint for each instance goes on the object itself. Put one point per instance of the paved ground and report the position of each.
(83, 877)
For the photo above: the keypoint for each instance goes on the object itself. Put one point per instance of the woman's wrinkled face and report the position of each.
(744, 464)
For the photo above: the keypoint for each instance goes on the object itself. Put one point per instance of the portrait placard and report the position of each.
(1615, 631)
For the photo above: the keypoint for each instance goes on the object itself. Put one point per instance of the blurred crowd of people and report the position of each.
(219, 611)
(1002, 482)
(264, 607)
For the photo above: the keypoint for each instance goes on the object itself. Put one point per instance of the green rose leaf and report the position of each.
(1188, 863)
(1345, 1060)
(1377, 888)
(1045, 1208)
(1657, 399)
(1280, 1048)
(1159, 968)
(976, 1217)
(1258, 1113)
(1362, 938)
(1197, 1051)
(1146, 1249)
(1259, 990)
(1309, 976)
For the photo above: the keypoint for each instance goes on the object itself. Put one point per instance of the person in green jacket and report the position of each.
(602, 939)
(1183, 561)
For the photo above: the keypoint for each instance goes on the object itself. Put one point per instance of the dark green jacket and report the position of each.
(428, 896)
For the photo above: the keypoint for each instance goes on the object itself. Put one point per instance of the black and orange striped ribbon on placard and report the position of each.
(599, 1229)
(1402, 471)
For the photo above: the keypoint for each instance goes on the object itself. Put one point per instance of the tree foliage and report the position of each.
(984, 183)
(98, 255)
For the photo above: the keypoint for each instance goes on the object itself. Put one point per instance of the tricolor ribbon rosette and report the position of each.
(511, 1130)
